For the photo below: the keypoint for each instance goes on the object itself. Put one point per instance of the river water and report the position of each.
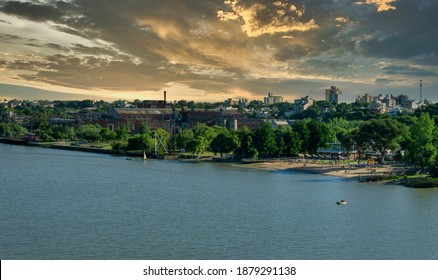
(58, 204)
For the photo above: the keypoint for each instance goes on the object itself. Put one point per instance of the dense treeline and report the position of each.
(412, 139)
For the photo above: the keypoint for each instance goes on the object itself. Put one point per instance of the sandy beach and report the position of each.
(324, 168)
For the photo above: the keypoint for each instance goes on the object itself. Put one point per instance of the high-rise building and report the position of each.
(332, 94)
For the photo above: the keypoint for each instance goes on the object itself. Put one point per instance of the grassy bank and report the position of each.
(427, 182)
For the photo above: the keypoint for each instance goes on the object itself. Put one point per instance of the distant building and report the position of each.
(133, 117)
(154, 104)
(271, 99)
(367, 98)
(171, 120)
(392, 105)
(302, 104)
(89, 114)
(332, 94)
(377, 106)
(240, 101)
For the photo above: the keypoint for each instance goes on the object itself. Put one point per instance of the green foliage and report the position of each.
(119, 145)
(359, 137)
(224, 142)
(143, 129)
(421, 147)
(383, 135)
(142, 142)
(107, 135)
(264, 140)
(89, 132)
(203, 135)
(255, 104)
(59, 132)
(245, 146)
(346, 138)
(288, 142)
(122, 133)
(184, 140)
(42, 135)
(304, 134)
(162, 138)
(319, 135)
(12, 130)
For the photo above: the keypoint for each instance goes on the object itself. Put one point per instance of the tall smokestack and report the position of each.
(164, 97)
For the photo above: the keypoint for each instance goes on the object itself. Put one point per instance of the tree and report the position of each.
(118, 145)
(264, 140)
(122, 133)
(204, 131)
(143, 129)
(12, 130)
(360, 141)
(107, 134)
(304, 134)
(224, 142)
(346, 138)
(421, 146)
(383, 135)
(319, 135)
(61, 132)
(141, 142)
(245, 145)
(203, 135)
(89, 132)
(291, 140)
(184, 140)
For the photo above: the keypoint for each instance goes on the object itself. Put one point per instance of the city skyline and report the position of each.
(215, 50)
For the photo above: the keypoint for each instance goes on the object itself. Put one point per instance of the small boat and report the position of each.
(341, 202)
(129, 158)
(144, 156)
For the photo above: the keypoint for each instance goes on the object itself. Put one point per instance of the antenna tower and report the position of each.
(421, 90)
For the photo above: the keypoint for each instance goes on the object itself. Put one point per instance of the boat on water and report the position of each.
(129, 158)
(144, 156)
(341, 202)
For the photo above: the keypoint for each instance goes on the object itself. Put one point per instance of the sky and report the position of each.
(214, 50)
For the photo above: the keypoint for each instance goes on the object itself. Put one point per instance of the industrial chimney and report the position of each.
(164, 98)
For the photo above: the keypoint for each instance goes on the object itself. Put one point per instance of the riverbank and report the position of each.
(329, 169)
(363, 173)
(376, 173)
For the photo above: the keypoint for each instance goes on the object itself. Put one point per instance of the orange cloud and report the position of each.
(257, 19)
(382, 5)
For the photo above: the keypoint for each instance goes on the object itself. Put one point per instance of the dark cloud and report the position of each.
(382, 81)
(35, 12)
(410, 71)
(9, 37)
(407, 32)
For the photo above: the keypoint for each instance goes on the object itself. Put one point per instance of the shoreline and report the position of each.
(328, 169)
(346, 171)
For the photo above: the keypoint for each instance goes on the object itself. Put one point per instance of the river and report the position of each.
(59, 204)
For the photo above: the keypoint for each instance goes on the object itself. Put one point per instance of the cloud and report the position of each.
(212, 49)
(35, 12)
(409, 71)
(261, 18)
(342, 19)
(382, 5)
